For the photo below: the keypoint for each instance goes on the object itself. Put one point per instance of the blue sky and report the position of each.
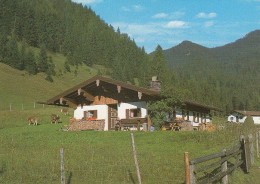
(210, 23)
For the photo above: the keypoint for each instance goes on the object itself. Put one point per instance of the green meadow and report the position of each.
(30, 154)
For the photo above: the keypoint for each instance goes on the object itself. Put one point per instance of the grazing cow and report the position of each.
(65, 111)
(55, 118)
(32, 120)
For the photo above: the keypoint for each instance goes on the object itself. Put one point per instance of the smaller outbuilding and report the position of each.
(239, 116)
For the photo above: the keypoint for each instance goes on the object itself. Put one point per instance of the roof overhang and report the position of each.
(89, 87)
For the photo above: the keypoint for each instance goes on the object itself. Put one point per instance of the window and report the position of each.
(133, 113)
(231, 118)
(90, 114)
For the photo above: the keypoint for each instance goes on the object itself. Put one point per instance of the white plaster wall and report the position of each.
(178, 113)
(242, 120)
(208, 118)
(234, 115)
(191, 116)
(102, 112)
(256, 119)
(121, 108)
(230, 118)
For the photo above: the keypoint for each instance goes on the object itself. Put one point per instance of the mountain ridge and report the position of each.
(232, 70)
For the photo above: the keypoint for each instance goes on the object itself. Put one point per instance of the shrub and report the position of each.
(249, 125)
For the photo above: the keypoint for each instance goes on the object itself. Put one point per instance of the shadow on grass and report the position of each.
(69, 178)
(215, 172)
(131, 176)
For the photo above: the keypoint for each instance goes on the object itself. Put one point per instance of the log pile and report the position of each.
(79, 125)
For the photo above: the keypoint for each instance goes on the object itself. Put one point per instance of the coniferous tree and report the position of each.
(42, 60)
(31, 66)
(12, 55)
(3, 46)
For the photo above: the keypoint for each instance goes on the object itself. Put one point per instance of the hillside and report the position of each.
(74, 30)
(232, 70)
(19, 87)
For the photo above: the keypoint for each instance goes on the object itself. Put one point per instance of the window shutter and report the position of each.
(95, 114)
(139, 113)
(127, 113)
(85, 114)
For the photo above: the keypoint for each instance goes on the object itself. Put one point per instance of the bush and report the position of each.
(49, 78)
(249, 125)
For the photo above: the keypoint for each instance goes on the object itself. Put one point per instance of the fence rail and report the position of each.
(21, 106)
(243, 153)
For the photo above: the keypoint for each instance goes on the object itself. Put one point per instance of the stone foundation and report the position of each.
(87, 125)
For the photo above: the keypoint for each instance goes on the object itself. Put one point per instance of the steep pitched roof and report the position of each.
(92, 81)
(248, 113)
(189, 102)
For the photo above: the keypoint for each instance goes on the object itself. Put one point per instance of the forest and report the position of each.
(76, 31)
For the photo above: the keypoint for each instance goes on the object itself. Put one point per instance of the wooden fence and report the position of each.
(216, 167)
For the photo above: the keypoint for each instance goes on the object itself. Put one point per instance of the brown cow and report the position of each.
(65, 111)
(55, 118)
(32, 120)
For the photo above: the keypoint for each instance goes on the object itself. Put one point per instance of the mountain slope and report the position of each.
(19, 87)
(233, 70)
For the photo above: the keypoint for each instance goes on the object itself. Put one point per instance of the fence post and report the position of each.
(135, 158)
(224, 169)
(243, 154)
(62, 166)
(251, 148)
(22, 106)
(256, 144)
(10, 106)
(187, 168)
(192, 175)
(34, 105)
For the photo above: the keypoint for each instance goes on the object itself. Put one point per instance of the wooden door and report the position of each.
(112, 116)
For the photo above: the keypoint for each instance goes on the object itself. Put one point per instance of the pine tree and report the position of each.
(30, 65)
(42, 60)
(22, 57)
(3, 46)
(12, 55)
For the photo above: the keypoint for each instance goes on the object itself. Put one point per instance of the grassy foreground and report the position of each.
(31, 154)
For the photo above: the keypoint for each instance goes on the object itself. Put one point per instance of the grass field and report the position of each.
(18, 87)
(30, 154)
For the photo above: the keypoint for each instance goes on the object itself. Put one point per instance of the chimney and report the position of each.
(155, 84)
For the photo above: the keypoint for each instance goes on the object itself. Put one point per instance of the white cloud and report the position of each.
(176, 15)
(208, 23)
(87, 1)
(152, 32)
(139, 40)
(132, 8)
(159, 15)
(138, 7)
(176, 24)
(204, 15)
(173, 15)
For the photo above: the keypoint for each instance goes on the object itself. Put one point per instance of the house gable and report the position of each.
(100, 90)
